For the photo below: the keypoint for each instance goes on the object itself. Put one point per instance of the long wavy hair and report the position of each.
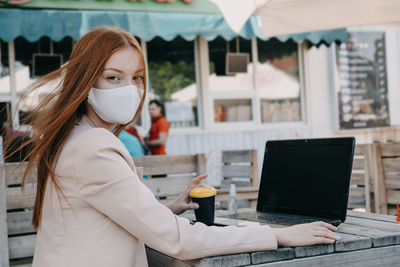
(55, 117)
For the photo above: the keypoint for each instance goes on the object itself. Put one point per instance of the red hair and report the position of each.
(61, 110)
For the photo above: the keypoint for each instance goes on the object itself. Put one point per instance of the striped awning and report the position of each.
(32, 24)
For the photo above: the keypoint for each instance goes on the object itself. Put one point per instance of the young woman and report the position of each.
(91, 208)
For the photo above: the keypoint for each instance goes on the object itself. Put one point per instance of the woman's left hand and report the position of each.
(183, 202)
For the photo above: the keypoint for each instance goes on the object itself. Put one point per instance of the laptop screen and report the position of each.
(307, 177)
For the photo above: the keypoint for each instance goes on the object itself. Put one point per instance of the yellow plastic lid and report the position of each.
(203, 191)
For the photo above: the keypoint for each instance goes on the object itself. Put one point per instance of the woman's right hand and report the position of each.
(306, 234)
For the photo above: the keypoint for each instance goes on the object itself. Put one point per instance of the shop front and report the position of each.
(220, 90)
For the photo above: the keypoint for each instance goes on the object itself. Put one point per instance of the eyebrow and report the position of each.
(114, 69)
(120, 71)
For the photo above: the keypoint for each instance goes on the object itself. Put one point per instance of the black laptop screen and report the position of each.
(308, 177)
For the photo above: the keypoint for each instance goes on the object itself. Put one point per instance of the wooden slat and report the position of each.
(20, 222)
(357, 192)
(168, 186)
(236, 171)
(272, 255)
(391, 165)
(357, 179)
(316, 250)
(3, 222)
(236, 156)
(352, 242)
(372, 216)
(21, 246)
(380, 238)
(242, 182)
(392, 181)
(360, 150)
(15, 171)
(16, 199)
(393, 196)
(390, 150)
(375, 169)
(368, 182)
(239, 196)
(239, 190)
(201, 164)
(392, 227)
(254, 169)
(153, 165)
(233, 260)
(386, 256)
(358, 164)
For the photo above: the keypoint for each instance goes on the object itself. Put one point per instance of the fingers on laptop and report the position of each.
(323, 234)
(326, 225)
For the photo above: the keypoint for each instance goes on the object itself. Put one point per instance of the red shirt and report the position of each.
(158, 125)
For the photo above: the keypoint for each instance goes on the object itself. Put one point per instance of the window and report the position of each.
(278, 81)
(173, 80)
(232, 93)
(232, 110)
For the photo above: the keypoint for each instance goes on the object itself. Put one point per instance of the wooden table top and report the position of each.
(368, 239)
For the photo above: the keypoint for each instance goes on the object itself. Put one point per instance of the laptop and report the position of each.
(304, 181)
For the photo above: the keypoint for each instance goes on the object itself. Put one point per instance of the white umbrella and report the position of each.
(279, 17)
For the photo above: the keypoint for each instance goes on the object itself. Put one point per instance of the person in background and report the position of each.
(158, 134)
(132, 130)
(132, 144)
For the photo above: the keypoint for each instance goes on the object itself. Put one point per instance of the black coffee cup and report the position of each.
(205, 197)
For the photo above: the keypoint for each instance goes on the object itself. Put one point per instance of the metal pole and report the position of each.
(13, 85)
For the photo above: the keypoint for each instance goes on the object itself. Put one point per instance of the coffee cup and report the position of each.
(205, 197)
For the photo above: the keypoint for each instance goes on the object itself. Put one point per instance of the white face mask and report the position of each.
(117, 105)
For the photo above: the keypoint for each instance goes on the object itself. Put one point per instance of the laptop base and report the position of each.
(279, 218)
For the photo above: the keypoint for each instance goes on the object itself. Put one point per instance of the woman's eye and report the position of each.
(138, 78)
(112, 78)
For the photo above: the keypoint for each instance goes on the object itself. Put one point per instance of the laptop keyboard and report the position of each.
(268, 218)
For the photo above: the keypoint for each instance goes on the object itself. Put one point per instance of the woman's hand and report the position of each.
(183, 202)
(306, 234)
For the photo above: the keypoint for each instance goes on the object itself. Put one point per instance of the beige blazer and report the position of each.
(111, 214)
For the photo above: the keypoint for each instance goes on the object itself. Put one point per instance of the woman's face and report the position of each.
(122, 68)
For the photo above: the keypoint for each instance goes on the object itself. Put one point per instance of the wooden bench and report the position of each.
(241, 168)
(386, 176)
(179, 171)
(360, 183)
(17, 235)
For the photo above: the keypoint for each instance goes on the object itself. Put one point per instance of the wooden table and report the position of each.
(367, 240)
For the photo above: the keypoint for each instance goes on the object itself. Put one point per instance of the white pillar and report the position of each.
(13, 85)
(206, 110)
(146, 122)
(256, 95)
